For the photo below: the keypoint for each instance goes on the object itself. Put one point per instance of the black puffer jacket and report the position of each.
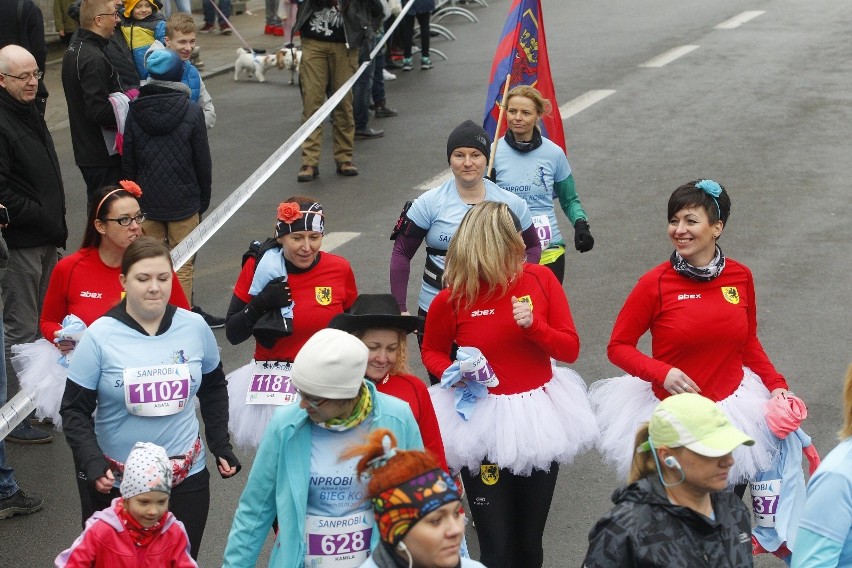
(30, 180)
(166, 152)
(644, 529)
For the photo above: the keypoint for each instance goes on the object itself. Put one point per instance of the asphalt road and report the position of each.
(764, 108)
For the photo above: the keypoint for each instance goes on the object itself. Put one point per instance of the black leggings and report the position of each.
(510, 513)
(189, 502)
(407, 31)
(557, 267)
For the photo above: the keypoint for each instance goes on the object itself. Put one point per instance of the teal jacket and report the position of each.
(278, 483)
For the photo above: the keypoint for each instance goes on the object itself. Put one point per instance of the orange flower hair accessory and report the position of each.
(289, 212)
(131, 187)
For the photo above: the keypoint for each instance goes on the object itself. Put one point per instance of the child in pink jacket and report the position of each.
(137, 530)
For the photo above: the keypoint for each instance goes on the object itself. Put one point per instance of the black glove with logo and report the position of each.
(583, 240)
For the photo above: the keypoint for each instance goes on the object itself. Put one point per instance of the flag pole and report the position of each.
(499, 121)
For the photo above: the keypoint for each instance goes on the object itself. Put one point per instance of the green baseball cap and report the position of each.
(694, 422)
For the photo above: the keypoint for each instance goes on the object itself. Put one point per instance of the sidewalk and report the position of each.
(218, 52)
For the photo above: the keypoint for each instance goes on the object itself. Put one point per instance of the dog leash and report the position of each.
(236, 31)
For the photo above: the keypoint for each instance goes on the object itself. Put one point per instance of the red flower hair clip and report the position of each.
(131, 187)
(289, 212)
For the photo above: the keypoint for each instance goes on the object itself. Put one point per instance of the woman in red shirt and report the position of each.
(513, 417)
(288, 275)
(84, 284)
(700, 309)
(376, 320)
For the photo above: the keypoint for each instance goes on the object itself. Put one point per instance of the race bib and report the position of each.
(542, 228)
(270, 384)
(477, 369)
(342, 542)
(159, 390)
(764, 500)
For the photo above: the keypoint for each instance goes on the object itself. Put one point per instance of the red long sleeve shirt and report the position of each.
(413, 391)
(708, 330)
(81, 284)
(520, 357)
(320, 293)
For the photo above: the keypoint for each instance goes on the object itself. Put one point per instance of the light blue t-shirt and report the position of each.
(531, 176)
(828, 512)
(440, 210)
(109, 348)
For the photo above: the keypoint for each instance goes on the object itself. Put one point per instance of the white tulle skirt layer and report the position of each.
(247, 422)
(37, 368)
(623, 403)
(521, 432)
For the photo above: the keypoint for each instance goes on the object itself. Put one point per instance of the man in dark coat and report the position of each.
(89, 77)
(31, 190)
(21, 23)
(117, 50)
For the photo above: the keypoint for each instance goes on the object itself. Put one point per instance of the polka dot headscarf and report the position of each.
(148, 468)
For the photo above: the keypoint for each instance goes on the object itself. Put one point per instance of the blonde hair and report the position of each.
(542, 105)
(846, 432)
(486, 250)
(643, 464)
(401, 365)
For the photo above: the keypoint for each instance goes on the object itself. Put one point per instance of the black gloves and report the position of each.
(276, 294)
(583, 240)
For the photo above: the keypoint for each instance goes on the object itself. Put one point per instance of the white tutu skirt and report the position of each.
(521, 432)
(38, 369)
(623, 403)
(247, 422)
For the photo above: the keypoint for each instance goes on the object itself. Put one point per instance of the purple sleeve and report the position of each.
(404, 248)
(533, 244)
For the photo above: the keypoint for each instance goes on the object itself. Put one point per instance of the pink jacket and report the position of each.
(106, 544)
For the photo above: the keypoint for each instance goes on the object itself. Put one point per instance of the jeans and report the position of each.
(371, 82)
(180, 6)
(8, 487)
(272, 18)
(210, 13)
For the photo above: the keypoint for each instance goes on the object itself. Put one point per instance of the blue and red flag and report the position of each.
(522, 51)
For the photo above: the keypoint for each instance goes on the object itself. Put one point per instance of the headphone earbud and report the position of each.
(672, 462)
(401, 546)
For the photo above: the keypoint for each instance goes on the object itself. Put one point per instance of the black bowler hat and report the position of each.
(375, 311)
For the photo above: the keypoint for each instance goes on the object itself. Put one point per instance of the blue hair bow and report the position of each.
(712, 189)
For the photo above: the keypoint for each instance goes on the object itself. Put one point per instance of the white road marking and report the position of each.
(333, 240)
(583, 102)
(669, 56)
(739, 19)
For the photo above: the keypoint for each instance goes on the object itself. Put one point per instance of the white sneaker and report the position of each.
(388, 75)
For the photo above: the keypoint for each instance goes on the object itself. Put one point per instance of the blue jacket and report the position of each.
(278, 483)
(192, 79)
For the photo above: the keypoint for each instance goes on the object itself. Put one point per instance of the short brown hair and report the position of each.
(141, 249)
(180, 22)
(90, 9)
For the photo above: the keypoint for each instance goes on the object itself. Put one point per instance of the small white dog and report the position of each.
(289, 58)
(255, 64)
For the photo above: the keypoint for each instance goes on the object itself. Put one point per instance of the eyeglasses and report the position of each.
(125, 221)
(113, 14)
(313, 401)
(37, 75)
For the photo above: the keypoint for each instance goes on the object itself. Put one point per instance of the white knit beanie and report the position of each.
(331, 364)
(148, 468)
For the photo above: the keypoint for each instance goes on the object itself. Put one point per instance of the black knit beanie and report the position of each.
(468, 134)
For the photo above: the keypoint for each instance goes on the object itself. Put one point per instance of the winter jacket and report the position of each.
(278, 482)
(105, 543)
(645, 529)
(30, 180)
(356, 18)
(167, 153)
(140, 34)
(88, 78)
(117, 51)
